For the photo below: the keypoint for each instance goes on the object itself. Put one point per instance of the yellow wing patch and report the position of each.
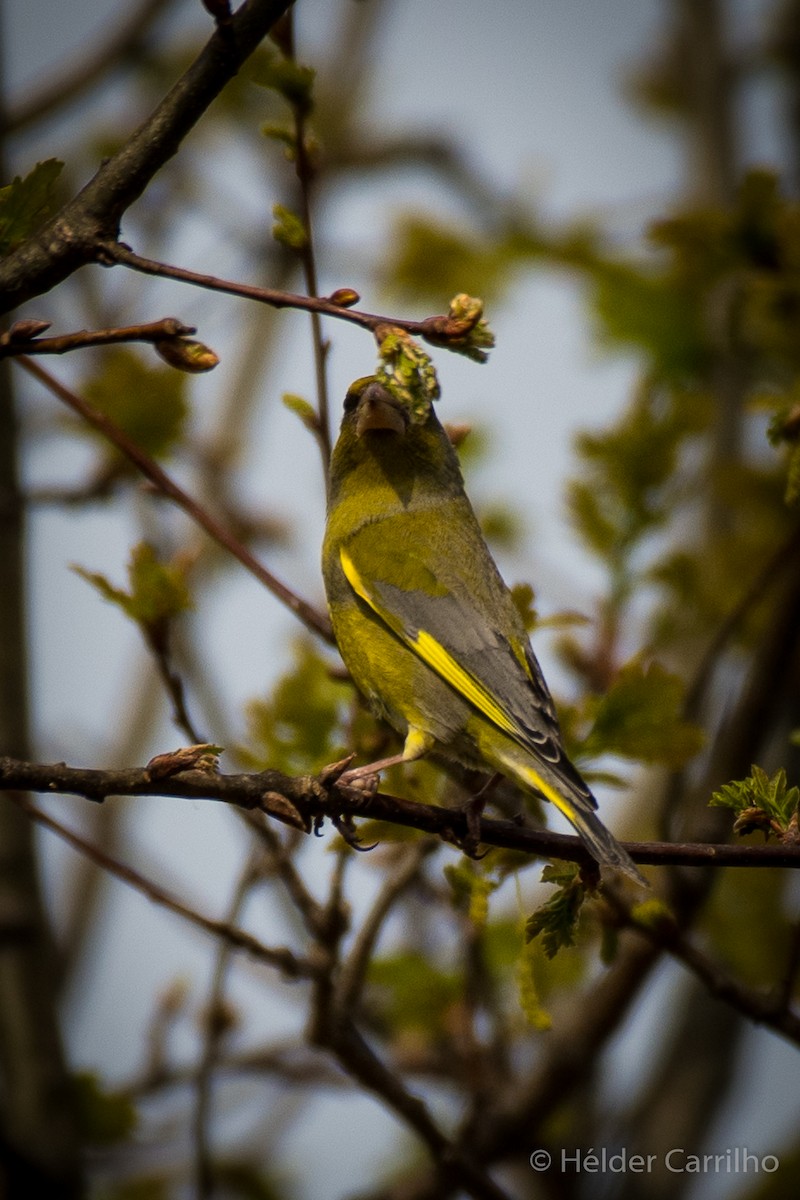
(354, 579)
(434, 654)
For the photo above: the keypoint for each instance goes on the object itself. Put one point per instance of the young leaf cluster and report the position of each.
(157, 592)
(556, 921)
(761, 802)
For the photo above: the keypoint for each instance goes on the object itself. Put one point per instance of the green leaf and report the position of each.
(289, 79)
(760, 801)
(289, 228)
(301, 726)
(158, 591)
(26, 203)
(302, 409)
(639, 717)
(281, 133)
(557, 920)
(148, 403)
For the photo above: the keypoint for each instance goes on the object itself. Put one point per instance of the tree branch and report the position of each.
(303, 801)
(310, 616)
(284, 959)
(18, 340)
(70, 239)
(772, 1010)
(439, 330)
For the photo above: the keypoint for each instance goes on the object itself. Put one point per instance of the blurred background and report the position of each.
(439, 127)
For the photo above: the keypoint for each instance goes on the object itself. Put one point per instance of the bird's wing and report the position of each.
(454, 638)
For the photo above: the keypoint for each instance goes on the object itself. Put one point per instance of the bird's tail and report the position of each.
(602, 843)
(577, 804)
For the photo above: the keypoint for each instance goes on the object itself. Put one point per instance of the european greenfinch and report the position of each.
(425, 625)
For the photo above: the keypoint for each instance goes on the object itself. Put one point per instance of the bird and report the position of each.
(425, 625)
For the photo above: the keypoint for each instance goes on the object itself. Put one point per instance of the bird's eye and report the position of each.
(351, 400)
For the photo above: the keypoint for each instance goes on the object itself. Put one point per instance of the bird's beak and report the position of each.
(377, 410)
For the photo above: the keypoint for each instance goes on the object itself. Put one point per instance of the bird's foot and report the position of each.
(473, 811)
(366, 779)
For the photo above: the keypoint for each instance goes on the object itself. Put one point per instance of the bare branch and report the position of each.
(310, 616)
(284, 959)
(354, 969)
(14, 343)
(770, 1009)
(440, 330)
(70, 239)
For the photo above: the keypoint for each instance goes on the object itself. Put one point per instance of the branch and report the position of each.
(354, 969)
(772, 1010)
(284, 959)
(302, 802)
(166, 486)
(70, 239)
(439, 330)
(455, 1165)
(22, 338)
(783, 557)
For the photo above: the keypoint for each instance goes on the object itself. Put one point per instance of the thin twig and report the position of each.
(354, 968)
(173, 685)
(283, 868)
(304, 171)
(438, 330)
(453, 1164)
(762, 1008)
(280, 957)
(310, 616)
(214, 1029)
(166, 330)
(785, 554)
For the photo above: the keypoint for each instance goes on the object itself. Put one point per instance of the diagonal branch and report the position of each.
(281, 957)
(772, 1010)
(310, 616)
(69, 240)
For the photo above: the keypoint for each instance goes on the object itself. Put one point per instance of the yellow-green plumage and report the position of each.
(425, 624)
